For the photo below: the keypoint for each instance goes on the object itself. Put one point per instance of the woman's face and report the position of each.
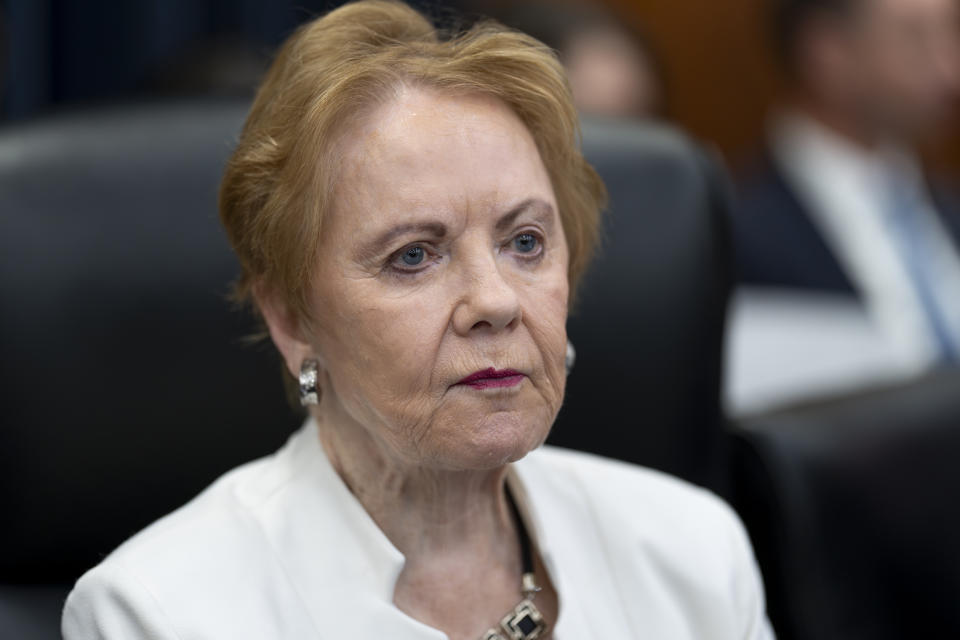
(443, 256)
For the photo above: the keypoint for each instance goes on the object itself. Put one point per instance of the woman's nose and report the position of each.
(488, 299)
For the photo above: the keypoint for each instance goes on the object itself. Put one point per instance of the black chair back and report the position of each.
(648, 327)
(126, 387)
(123, 380)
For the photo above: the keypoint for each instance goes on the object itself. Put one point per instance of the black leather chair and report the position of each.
(125, 385)
(648, 327)
(853, 505)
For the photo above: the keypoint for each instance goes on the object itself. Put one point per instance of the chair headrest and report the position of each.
(648, 327)
(124, 384)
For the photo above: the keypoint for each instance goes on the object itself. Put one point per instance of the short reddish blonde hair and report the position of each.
(328, 74)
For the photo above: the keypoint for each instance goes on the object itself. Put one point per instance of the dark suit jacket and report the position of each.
(777, 243)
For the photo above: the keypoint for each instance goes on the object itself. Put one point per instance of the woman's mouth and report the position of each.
(490, 378)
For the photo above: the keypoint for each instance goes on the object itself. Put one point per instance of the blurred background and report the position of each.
(714, 63)
(834, 126)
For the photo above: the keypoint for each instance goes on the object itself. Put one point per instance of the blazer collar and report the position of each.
(343, 566)
(339, 562)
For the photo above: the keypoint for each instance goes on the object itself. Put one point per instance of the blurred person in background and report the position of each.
(840, 206)
(612, 69)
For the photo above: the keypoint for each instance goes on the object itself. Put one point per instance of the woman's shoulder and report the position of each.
(636, 505)
(213, 544)
(219, 516)
(656, 534)
(646, 514)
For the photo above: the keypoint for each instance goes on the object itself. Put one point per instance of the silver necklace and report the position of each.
(524, 621)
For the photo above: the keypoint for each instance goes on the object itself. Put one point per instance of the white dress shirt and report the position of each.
(280, 549)
(785, 346)
(846, 191)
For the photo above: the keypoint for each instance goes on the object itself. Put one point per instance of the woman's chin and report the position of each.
(494, 441)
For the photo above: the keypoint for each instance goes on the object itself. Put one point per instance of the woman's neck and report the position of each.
(421, 510)
(455, 530)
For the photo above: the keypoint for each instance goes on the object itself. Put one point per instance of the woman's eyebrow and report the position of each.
(541, 208)
(436, 229)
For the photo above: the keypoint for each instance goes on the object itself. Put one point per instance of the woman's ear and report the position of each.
(286, 330)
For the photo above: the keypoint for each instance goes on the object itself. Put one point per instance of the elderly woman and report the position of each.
(411, 215)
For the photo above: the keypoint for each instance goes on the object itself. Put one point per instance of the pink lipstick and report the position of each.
(490, 378)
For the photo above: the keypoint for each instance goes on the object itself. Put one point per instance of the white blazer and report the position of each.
(280, 549)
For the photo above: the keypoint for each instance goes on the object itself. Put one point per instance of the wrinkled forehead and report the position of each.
(426, 150)
(416, 124)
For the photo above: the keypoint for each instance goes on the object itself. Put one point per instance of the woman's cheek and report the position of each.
(400, 341)
(557, 329)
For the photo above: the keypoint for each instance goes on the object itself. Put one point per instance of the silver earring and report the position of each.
(571, 356)
(308, 382)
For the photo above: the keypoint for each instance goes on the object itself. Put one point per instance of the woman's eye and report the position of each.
(412, 256)
(411, 260)
(525, 243)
